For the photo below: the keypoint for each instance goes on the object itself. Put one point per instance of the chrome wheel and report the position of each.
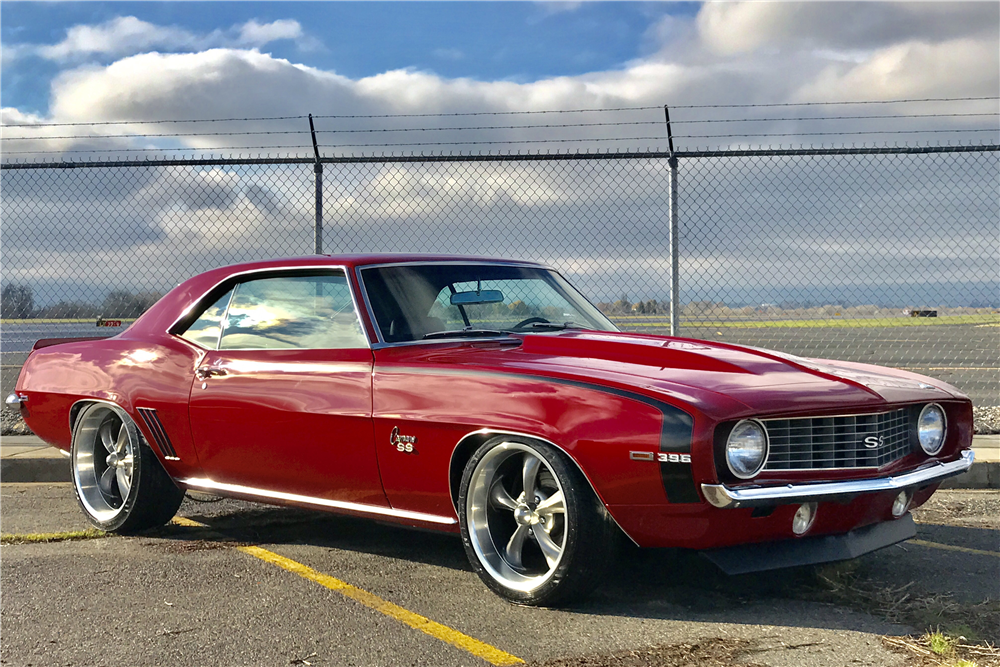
(516, 516)
(104, 452)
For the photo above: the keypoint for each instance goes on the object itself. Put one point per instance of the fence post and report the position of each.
(318, 171)
(675, 279)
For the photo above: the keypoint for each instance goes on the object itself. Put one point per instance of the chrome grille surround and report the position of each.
(825, 443)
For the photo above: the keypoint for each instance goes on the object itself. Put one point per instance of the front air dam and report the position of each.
(763, 556)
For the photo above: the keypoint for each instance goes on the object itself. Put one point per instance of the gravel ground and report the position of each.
(12, 424)
(971, 508)
(986, 420)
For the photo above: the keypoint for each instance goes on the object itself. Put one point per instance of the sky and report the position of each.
(131, 63)
(76, 62)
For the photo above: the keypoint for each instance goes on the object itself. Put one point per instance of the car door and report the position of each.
(283, 404)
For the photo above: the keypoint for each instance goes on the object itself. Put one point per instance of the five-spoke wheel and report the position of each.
(119, 483)
(525, 514)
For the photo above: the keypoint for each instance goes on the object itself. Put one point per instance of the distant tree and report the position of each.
(17, 301)
(69, 310)
(519, 309)
(121, 303)
(622, 306)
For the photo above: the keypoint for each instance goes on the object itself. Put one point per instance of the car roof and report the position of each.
(354, 260)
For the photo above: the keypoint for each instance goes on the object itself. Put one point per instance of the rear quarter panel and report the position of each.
(126, 370)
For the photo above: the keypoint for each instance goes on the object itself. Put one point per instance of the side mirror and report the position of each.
(471, 298)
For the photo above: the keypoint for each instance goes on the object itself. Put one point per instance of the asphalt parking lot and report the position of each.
(258, 585)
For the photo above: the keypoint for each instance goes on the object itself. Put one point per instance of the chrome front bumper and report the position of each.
(724, 497)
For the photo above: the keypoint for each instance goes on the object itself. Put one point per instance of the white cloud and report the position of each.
(743, 27)
(128, 35)
(253, 33)
(125, 34)
(955, 68)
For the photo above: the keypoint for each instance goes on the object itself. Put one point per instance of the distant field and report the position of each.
(835, 322)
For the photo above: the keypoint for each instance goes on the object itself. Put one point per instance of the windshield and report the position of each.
(414, 302)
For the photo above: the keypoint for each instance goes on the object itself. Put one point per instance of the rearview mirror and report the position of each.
(471, 298)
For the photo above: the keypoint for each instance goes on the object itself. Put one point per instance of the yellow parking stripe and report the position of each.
(188, 523)
(949, 547)
(490, 654)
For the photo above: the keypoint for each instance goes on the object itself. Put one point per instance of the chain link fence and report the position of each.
(819, 253)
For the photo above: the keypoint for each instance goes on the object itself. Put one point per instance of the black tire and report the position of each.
(527, 569)
(101, 471)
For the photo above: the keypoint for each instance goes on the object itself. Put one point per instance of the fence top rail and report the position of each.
(513, 157)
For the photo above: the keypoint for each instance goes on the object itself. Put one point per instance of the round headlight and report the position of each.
(930, 429)
(746, 449)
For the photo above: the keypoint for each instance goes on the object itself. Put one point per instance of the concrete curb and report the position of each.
(35, 470)
(29, 459)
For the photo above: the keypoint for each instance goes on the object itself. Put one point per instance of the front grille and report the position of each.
(838, 442)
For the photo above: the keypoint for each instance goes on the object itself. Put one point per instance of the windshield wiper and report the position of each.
(465, 333)
(554, 325)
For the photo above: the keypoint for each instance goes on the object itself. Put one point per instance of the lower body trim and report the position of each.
(265, 495)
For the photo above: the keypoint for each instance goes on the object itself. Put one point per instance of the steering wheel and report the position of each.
(529, 321)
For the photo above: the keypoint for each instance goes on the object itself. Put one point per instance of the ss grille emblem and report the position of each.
(872, 441)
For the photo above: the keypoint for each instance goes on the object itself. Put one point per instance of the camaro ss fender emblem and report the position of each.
(403, 443)
(662, 457)
(871, 442)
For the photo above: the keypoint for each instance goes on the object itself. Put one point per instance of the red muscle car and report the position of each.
(490, 398)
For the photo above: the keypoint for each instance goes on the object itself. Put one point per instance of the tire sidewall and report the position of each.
(140, 452)
(574, 496)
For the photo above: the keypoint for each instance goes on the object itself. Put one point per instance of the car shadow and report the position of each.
(664, 584)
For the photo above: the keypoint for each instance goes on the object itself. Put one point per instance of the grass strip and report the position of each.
(828, 323)
(37, 538)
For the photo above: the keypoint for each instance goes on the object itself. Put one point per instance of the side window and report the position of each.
(205, 330)
(293, 312)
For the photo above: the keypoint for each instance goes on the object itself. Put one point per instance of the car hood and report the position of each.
(710, 373)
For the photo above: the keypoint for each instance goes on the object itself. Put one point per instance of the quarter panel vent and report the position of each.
(155, 426)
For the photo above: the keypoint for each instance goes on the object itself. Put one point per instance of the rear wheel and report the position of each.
(119, 482)
(533, 529)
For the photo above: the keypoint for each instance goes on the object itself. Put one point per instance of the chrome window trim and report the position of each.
(380, 343)
(725, 497)
(309, 267)
(212, 485)
(451, 341)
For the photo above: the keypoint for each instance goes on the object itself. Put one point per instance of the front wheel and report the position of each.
(119, 483)
(533, 529)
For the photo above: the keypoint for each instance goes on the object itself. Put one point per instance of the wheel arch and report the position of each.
(470, 442)
(78, 407)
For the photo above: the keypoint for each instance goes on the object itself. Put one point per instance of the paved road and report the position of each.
(190, 596)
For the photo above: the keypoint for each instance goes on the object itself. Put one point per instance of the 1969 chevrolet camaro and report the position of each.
(489, 397)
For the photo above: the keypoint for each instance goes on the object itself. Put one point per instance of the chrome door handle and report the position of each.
(205, 372)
